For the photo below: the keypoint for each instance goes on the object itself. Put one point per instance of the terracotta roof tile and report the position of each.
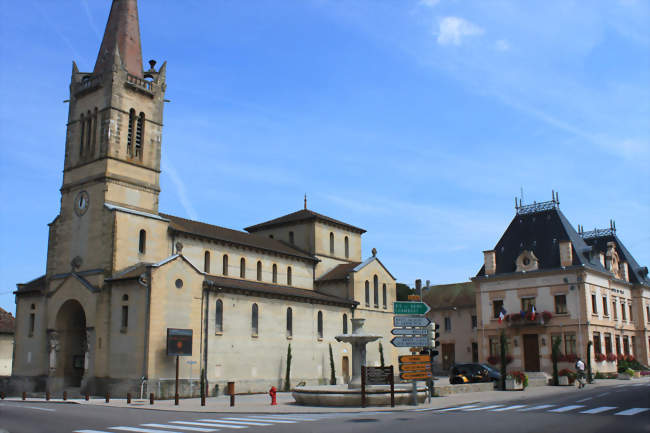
(301, 215)
(7, 322)
(339, 272)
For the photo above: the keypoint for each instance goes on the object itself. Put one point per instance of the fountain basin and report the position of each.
(342, 396)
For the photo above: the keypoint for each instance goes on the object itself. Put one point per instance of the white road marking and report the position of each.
(632, 411)
(584, 399)
(542, 406)
(29, 407)
(182, 428)
(458, 408)
(599, 409)
(604, 393)
(426, 409)
(224, 421)
(566, 408)
(295, 417)
(262, 419)
(208, 424)
(483, 407)
(517, 406)
(90, 431)
(142, 430)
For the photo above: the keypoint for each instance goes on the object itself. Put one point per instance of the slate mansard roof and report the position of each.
(540, 228)
(302, 215)
(598, 240)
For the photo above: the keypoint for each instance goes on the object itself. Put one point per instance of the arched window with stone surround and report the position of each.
(289, 276)
(242, 268)
(206, 262)
(320, 324)
(259, 270)
(218, 316)
(345, 323)
(331, 242)
(255, 320)
(130, 133)
(275, 273)
(383, 293)
(375, 289)
(347, 247)
(142, 242)
(82, 132)
(139, 136)
(289, 322)
(225, 265)
(367, 293)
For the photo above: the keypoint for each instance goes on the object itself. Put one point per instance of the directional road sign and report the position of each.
(413, 358)
(403, 307)
(414, 375)
(410, 321)
(415, 367)
(409, 341)
(409, 331)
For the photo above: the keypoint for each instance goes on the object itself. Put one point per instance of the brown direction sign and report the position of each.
(413, 358)
(413, 375)
(414, 367)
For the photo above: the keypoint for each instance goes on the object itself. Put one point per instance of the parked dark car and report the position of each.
(468, 373)
(494, 374)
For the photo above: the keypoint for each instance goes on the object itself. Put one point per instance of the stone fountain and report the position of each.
(350, 395)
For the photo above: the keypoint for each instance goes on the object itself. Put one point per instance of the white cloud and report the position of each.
(181, 190)
(502, 45)
(429, 3)
(453, 29)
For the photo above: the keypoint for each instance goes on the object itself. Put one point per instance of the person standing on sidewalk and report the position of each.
(580, 369)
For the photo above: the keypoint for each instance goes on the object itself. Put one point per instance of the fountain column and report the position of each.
(358, 339)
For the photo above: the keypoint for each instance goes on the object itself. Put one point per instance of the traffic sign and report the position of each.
(403, 307)
(414, 375)
(409, 331)
(413, 358)
(410, 321)
(409, 341)
(415, 367)
(415, 298)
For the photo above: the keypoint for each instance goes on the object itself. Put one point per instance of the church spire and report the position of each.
(121, 39)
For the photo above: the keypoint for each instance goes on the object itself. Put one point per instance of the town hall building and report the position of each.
(120, 273)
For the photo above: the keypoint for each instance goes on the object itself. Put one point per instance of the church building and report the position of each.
(120, 273)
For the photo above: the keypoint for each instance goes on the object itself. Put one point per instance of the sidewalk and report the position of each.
(260, 403)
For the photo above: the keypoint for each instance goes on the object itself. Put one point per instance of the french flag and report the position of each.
(502, 314)
(532, 313)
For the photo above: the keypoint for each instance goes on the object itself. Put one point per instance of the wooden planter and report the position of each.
(563, 380)
(513, 385)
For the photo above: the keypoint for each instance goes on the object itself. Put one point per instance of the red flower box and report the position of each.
(600, 357)
(547, 315)
(568, 358)
(611, 357)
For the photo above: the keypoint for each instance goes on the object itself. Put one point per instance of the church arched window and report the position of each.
(242, 268)
(347, 247)
(289, 322)
(82, 131)
(206, 262)
(142, 244)
(383, 292)
(375, 287)
(345, 323)
(129, 133)
(254, 320)
(139, 136)
(275, 273)
(259, 270)
(320, 324)
(225, 265)
(331, 243)
(289, 276)
(367, 293)
(218, 316)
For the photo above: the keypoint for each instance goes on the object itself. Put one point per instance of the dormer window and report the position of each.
(527, 261)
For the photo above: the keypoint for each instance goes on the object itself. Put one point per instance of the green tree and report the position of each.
(287, 380)
(381, 354)
(403, 292)
(555, 355)
(332, 371)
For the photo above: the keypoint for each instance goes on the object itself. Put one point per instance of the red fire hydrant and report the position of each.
(273, 392)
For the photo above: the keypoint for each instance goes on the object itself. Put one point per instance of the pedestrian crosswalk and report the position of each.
(551, 408)
(208, 425)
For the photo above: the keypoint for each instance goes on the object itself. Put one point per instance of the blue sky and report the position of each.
(419, 121)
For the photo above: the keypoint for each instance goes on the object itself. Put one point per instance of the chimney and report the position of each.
(490, 259)
(625, 272)
(566, 253)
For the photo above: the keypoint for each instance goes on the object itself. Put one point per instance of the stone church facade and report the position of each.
(120, 273)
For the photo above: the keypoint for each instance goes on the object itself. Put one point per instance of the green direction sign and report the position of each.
(411, 307)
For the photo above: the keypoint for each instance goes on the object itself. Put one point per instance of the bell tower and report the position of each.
(113, 145)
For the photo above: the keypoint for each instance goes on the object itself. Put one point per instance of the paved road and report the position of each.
(623, 408)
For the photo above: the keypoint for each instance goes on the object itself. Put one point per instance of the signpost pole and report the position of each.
(392, 387)
(414, 393)
(176, 391)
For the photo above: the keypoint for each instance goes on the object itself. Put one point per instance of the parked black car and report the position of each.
(469, 373)
(495, 375)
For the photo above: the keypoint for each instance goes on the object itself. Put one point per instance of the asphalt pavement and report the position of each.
(612, 407)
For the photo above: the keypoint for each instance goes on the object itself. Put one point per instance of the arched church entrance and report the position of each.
(71, 333)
